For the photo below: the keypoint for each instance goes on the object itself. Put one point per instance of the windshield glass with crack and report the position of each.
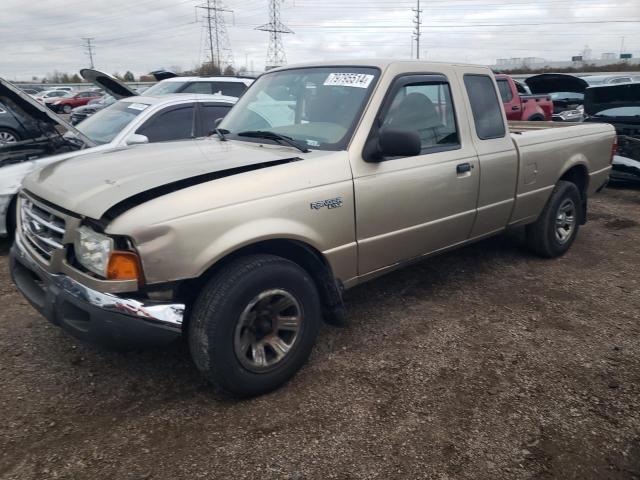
(316, 107)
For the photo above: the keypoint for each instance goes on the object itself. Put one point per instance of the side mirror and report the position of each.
(216, 123)
(136, 139)
(395, 142)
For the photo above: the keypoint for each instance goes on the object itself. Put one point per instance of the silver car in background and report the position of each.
(130, 121)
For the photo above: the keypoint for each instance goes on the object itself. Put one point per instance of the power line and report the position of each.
(416, 32)
(219, 46)
(89, 48)
(275, 52)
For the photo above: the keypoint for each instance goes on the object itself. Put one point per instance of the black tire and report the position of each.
(220, 305)
(8, 131)
(66, 109)
(536, 118)
(542, 236)
(11, 218)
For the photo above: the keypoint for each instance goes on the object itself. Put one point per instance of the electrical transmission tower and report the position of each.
(89, 48)
(275, 54)
(416, 31)
(219, 47)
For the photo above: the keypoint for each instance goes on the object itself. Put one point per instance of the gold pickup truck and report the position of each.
(322, 176)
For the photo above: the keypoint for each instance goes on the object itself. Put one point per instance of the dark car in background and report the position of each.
(619, 105)
(78, 114)
(566, 91)
(15, 125)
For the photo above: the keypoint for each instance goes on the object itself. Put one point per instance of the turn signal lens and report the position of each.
(124, 266)
(614, 147)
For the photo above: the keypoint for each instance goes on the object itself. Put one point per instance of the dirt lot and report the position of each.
(486, 363)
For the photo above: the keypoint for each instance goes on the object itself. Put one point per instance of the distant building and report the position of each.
(576, 61)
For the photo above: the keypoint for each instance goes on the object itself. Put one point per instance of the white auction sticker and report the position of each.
(358, 80)
(138, 106)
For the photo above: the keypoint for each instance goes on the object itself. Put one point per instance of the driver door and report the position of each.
(408, 207)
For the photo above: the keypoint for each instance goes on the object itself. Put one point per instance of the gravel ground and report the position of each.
(485, 363)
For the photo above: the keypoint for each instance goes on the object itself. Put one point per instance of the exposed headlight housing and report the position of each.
(93, 250)
(571, 115)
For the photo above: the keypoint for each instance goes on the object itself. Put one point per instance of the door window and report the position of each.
(487, 111)
(505, 91)
(426, 108)
(212, 112)
(176, 123)
(198, 87)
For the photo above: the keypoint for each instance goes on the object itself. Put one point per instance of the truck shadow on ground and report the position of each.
(168, 372)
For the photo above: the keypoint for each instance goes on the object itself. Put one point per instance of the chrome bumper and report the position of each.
(49, 293)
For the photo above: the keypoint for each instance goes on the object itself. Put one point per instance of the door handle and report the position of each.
(463, 168)
(515, 108)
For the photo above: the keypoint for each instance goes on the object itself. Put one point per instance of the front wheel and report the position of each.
(254, 324)
(556, 228)
(66, 109)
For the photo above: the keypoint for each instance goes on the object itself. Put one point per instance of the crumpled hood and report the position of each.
(91, 184)
(597, 99)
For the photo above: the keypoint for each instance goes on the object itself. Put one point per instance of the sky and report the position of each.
(38, 37)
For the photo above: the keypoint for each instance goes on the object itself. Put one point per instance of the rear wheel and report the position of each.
(536, 118)
(254, 324)
(8, 136)
(556, 228)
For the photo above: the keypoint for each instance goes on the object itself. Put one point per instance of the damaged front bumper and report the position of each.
(90, 315)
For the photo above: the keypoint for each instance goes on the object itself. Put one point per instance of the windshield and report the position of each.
(103, 126)
(632, 111)
(162, 88)
(316, 107)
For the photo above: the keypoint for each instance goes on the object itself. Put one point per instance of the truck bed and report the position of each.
(522, 127)
(544, 151)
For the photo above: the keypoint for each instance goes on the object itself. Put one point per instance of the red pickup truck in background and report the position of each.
(522, 106)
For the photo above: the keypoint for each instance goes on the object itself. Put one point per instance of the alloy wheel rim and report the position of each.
(267, 330)
(565, 221)
(6, 137)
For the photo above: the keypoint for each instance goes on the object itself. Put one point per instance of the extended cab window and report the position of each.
(505, 91)
(428, 109)
(175, 123)
(487, 111)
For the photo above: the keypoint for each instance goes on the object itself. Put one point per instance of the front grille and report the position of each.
(41, 228)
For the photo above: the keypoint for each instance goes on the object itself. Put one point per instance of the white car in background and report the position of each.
(49, 96)
(230, 86)
(130, 121)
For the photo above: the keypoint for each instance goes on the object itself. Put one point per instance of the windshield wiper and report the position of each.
(274, 136)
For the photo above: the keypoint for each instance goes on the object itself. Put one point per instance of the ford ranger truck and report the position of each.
(321, 177)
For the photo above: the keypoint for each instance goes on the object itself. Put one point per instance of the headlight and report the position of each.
(570, 115)
(57, 102)
(93, 250)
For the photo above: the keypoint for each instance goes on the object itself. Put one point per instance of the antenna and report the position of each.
(89, 49)
(275, 54)
(219, 46)
(416, 32)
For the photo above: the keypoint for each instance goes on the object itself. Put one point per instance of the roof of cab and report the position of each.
(180, 98)
(381, 63)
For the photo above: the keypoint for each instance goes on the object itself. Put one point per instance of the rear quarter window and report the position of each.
(486, 109)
